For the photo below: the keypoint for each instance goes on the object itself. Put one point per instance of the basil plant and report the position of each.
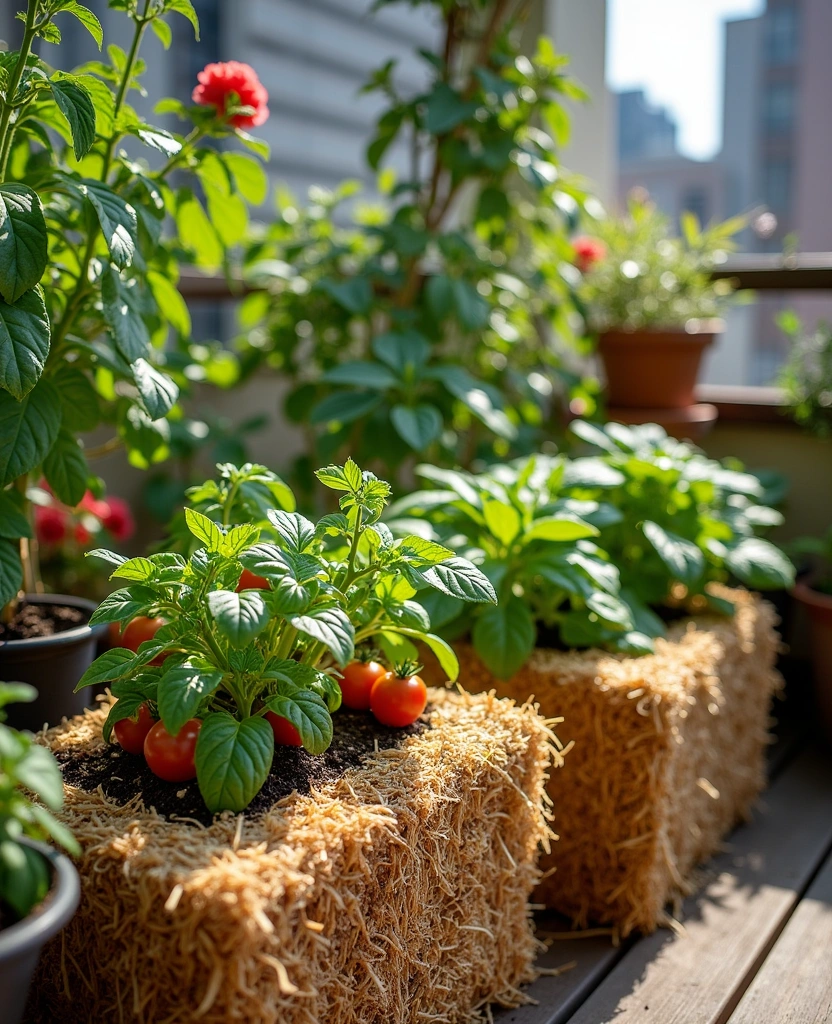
(231, 656)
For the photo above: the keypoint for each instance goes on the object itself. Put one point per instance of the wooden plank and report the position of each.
(809, 271)
(794, 985)
(732, 923)
(581, 963)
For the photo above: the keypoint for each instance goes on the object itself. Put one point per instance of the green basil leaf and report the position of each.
(556, 528)
(362, 374)
(760, 565)
(117, 219)
(23, 240)
(123, 605)
(295, 531)
(332, 627)
(233, 760)
(38, 771)
(75, 103)
(418, 426)
(240, 617)
(159, 393)
(120, 307)
(204, 529)
(180, 692)
(87, 19)
(308, 714)
(137, 570)
(457, 577)
(502, 520)
(24, 342)
(504, 637)
(683, 559)
(107, 667)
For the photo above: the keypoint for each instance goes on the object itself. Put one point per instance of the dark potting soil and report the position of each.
(32, 620)
(123, 776)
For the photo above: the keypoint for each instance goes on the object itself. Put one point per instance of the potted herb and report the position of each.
(650, 300)
(323, 894)
(806, 380)
(88, 292)
(39, 888)
(613, 611)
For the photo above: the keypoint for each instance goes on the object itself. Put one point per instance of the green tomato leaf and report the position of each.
(28, 429)
(683, 559)
(197, 233)
(760, 565)
(106, 668)
(13, 523)
(504, 637)
(233, 760)
(457, 577)
(38, 771)
(307, 712)
(204, 529)
(87, 19)
(79, 399)
(158, 391)
(502, 520)
(137, 570)
(23, 240)
(120, 306)
(127, 706)
(66, 469)
(24, 341)
(611, 610)
(186, 9)
(362, 374)
(344, 407)
(181, 691)
(332, 627)
(75, 103)
(558, 529)
(418, 426)
(240, 617)
(123, 605)
(251, 180)
(295, 531)
(117, 219)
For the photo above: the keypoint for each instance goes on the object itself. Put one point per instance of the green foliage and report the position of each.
(650, 277)
(88, 266)
(585, 552)
(233, 656)
(819, 552)
(431, 325)
(26, 768)
(806, 377)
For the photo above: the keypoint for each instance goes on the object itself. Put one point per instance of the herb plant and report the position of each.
(88, 263)
(232, 657)
(648, 277)
(26, 768)
(806, 377)
(434, 323)
(684, 520)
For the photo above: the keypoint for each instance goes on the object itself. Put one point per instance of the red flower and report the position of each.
(82, 534)
(218, 81)
(119, 522)
(588, 252)
(50, 524)
(89, 503)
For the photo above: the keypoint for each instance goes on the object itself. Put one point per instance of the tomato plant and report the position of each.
(131, 732)
(233, 657)
(172, 756)
(357, 681)
(399, 696)
(285, 733)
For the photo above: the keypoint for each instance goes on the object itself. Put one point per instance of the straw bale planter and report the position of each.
(396, 893)
(668, 755)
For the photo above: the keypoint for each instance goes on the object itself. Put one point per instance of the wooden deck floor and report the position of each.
(757, 940)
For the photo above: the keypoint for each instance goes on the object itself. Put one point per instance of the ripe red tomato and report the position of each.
(357, 682)
(172, 757)
(136, 632)
(398, 697)
(130, 734)
(285, 733)
(251, 581)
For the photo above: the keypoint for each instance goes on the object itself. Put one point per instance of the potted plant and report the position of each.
(613, 611)
(323, 893)
(39, 888)
(88, 292)
(806, 379)
(650, 300)
(425, 326)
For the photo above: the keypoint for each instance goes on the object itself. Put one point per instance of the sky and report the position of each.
(673, 49)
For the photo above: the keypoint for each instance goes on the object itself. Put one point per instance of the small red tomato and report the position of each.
(251, 581)
(285, 733)
(131, 734)
(399, 697)
(172, 757)
(135, 632)
(357, 681)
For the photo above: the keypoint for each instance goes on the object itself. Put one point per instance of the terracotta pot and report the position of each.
(819, 611)
(654, 369)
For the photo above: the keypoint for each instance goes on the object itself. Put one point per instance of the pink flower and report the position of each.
(50, 524)
(218, 81)
(82, 534)
(89, 503)
(119, 522)
(588, 252)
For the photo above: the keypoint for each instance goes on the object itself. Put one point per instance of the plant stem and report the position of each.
(7, 131)
(284, 648)
(124, 85)
(356, 537)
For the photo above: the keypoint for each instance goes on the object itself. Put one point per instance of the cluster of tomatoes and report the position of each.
(395, 697)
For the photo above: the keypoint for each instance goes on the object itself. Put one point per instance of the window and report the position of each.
(777, 185)
(695, 201)
(781, 42)
(779, 102)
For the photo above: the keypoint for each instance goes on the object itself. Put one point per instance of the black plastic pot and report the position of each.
(53, 665)
(20, 945)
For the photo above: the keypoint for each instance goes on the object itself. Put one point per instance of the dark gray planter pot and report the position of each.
(53, 665)
(21, 944)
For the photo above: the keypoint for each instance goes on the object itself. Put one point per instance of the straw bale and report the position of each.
(668, 755)
(396, 895)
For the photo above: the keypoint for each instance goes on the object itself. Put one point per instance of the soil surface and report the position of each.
(123, 776)
(33, 620)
